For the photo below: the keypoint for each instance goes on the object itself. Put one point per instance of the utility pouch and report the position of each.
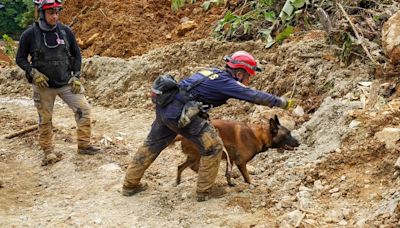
(164, 90)
(189, 111)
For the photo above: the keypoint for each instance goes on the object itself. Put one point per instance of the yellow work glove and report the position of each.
(288, 103)
(39, 79)
(76, 85)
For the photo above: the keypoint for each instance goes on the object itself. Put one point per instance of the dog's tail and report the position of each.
(177, 139)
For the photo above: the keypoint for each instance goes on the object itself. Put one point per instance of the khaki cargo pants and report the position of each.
(44, 102)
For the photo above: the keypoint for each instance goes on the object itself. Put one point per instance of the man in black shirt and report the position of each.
(54, 70)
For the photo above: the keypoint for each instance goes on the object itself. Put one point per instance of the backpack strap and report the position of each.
(65, 38)
(206, 74)
(38, 47)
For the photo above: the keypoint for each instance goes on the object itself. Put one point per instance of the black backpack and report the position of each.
(164, 89)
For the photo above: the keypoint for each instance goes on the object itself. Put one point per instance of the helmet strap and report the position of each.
(234, 72)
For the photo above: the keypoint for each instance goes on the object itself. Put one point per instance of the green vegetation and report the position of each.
(269, 20)
(16, 16)
(262, 19)
(177, 4)
(9, 47)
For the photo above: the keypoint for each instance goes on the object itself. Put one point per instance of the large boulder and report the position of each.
(391, 38)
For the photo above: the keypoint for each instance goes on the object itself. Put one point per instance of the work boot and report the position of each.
(208, 171)
(51, 158)
(90, 150)
(140, 162)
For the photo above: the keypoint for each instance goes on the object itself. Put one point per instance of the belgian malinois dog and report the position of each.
(242, 142)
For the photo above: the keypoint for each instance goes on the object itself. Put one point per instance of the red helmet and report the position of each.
(48, 4)
(243, 60)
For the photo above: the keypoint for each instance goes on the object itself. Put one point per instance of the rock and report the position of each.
(290, 218)
(1, 184)
(354, 124)
(361, 223)
(305, 200)
(251, 169)
(391, 38)
(318, 185)
(98, 220)
(298, 111)
(389, 136)
(285, 202)
(366, 84)
(185, 27)
(343, 223)
(109, 170)
(333, 190)
(397, 165)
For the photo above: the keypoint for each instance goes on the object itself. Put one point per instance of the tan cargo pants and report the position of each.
(44, 102)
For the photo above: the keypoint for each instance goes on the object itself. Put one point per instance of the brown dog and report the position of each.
(242, 142)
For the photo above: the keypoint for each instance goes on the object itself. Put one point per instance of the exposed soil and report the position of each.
(129, 28)
(342, 175)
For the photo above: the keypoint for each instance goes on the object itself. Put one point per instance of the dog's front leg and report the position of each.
(243, 169)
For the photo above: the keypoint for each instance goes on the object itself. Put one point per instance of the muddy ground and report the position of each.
(340, 176)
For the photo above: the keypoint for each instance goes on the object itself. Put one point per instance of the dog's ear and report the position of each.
(277, 120)
(273, 126)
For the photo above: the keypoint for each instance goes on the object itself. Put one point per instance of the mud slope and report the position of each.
(130, 28)
(341, 175)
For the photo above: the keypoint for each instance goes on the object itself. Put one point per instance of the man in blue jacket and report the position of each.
(53, 69)
(212, 88)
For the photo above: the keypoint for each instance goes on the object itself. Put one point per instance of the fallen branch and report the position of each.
(359, 38)
(18, 133)
(307, 211)
(299, 222)
(80, 12)
(295, 82)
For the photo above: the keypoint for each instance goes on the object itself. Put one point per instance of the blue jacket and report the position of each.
(217, 89)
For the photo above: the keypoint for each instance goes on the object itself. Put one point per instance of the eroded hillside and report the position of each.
(344, 174)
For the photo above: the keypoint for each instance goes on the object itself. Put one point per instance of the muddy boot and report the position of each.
(51, 157)
(208, 171)
(140, 162)
(90, 150)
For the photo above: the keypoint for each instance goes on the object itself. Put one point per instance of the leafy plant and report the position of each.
(284, 34)
(262, 15)
(177, 4)
(207, 4)
(9, 46)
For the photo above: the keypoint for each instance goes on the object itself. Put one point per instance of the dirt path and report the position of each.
(84, 190)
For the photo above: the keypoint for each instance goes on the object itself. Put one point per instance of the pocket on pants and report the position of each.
(37, 100)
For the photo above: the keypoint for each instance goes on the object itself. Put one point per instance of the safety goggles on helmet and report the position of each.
(48, 4)
(243, 60)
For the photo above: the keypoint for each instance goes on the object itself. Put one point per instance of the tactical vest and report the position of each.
(55, 62)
